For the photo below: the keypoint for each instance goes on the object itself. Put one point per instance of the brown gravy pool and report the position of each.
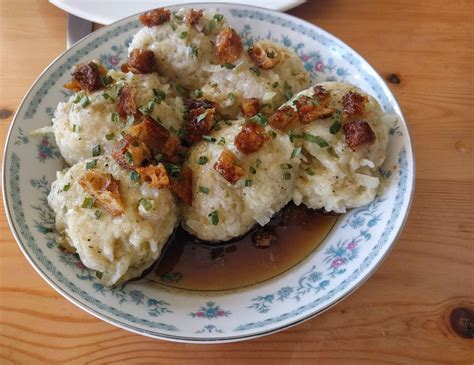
(189, 263)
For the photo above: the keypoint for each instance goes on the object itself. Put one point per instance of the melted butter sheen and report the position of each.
(189, 263)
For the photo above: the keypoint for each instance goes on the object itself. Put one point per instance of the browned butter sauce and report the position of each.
(189, 263)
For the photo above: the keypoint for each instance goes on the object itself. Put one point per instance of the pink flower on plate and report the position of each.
(351, 246)
(220, 313)
(305, 58)
(319, 66)
(200, 314)
(337, 262)
(80, 265)
(42, 155)
(114, 60)
(45, 141)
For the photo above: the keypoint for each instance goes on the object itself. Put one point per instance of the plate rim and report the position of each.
(183, 339)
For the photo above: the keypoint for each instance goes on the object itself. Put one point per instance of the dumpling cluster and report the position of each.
(192, 130)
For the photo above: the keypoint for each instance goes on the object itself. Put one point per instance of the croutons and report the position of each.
(251, 138)
(227, 166)
(104, 189)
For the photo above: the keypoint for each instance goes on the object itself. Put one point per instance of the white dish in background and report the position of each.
(109, 11)
(353, 250)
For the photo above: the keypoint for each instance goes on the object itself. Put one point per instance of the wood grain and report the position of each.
(402, 314)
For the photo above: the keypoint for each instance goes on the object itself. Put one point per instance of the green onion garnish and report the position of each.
(258, 162)
(66, 187)
(259, 119)
(85, 101)
(134, 176)
(228, 65)
(109, 136)
(96, 150)
(208, 138)
(310, 172)
(183, 35)
(203, 189)
(296, 152)
(88, 202)
(128, 156)
(115, 117)
(287, 176)
(218, 17)
(286, 166)
(275, 84)
(160, 95)
(202, 160)
(98, 214)
(272, 134)
(255, 70)
(252, 170)
(214, 217)
(231, 97)
(147, 204)
(248, 182)
(315, 139)
(91, 164)
(198, 93)
(221, 141)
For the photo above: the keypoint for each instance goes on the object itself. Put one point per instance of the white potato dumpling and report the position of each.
(187, 57)
(222, 210)
(118, 247)
(181, 50)
(83, 123)
(338, 177)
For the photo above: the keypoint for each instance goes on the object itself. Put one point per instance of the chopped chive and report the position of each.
(106, 80)
(130, 120)
(147, 204)
(208, 138)
(134, 176)
(160, 95)
(255, 70)
(336, 126)
(75, 128)
(248, 182)
(179, 17)
(88, 202)
(258, 162)
(315, 139)
(259, 119)
(129, 157)
(275, 84)
(286, 176)
(150, 106)
(286, 86)
(91, 164)
(202, 160)
(96, 150)
(272, 134)
(98, 274)
(193, 51)
(296, 152)
(203, 189)
(231, 97)
(310, 172)
(252, 170)
(98, 214)
(288, 95)
(66, 187)
(106, 96)
(183, 35)
(214, 217)
(228, 65)
(181, 89)
(173, 26)
(172, 169)
(221, 141)
(198, 93)
(115, 117)
(286, 166)
(109, 136)
(85, 101)
(64, 209)
(218, 17)
(77, 98)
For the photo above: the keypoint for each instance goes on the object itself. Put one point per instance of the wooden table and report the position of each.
(418, 305)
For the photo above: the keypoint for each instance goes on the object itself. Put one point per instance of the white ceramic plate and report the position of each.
(347, 257)
(109, 11)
